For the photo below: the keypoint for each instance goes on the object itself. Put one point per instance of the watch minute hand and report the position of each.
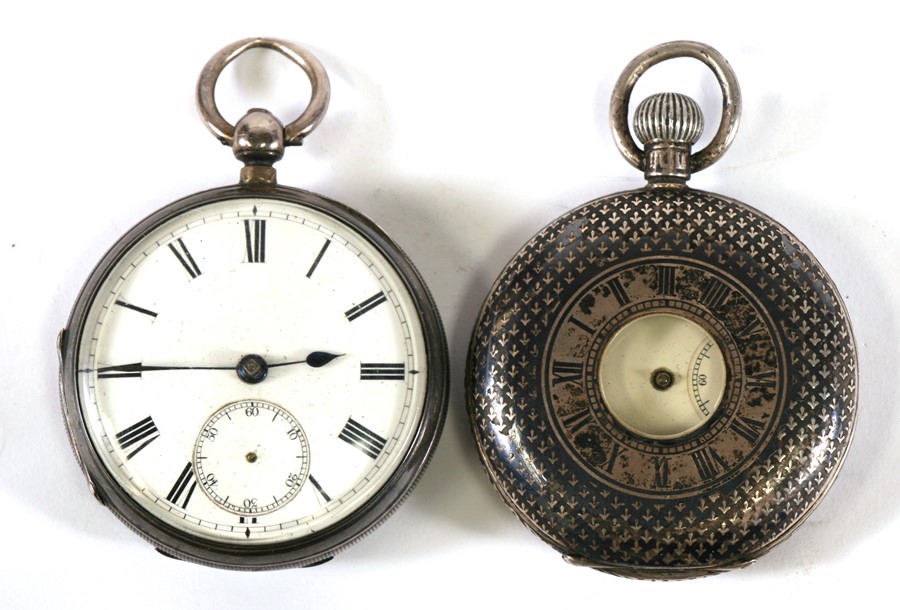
(136, 368)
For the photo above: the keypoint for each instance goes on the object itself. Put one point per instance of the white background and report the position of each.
(461, 128)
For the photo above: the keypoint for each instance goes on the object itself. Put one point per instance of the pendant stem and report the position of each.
(259, 144)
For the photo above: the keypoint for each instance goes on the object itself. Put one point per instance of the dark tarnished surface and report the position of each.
(710, 501)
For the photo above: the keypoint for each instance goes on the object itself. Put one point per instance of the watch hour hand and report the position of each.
(313, 359)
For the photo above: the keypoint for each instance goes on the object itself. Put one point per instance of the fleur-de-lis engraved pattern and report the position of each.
(734, 519)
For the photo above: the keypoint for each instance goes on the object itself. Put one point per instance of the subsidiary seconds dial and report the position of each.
(252, 457)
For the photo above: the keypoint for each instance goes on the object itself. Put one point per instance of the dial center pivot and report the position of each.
(252, 368)
(662, 379)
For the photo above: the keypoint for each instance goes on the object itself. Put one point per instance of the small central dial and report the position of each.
(662, 376)
(252, 457)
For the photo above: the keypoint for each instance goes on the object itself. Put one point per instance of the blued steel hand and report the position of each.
(314, 359)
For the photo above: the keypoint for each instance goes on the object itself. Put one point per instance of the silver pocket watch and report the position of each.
(254, 376)
(662, 382)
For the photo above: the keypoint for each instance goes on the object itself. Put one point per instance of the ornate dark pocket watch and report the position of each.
(662, 382)
(254, 376)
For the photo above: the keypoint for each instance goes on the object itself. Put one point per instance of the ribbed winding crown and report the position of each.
(668, 124)
(668, 117)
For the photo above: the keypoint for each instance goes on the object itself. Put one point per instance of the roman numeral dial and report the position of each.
(183, 489)
(665, 280)
(318, 259)
(365, 307)
(362, 438)
(616, 289)
(564, 371)
(382, 371)
(708, 462)
(255, 359)
(184, 256)
(714, 294)
(661, 377)
(133, 307)
(255, 239)
(136, 437)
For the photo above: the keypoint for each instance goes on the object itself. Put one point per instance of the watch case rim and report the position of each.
(308, 550)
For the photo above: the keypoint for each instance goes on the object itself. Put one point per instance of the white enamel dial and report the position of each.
(240, 305)
(662, 376)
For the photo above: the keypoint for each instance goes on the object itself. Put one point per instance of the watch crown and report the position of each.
(668, 117)
(668, 124)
